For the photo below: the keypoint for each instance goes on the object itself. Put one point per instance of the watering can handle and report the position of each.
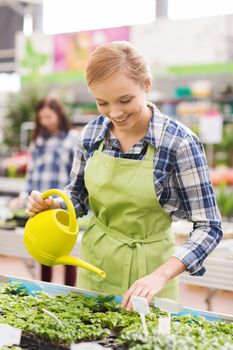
(67, 200)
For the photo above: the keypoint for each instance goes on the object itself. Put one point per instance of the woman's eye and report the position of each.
(101, 104)
(126, 101)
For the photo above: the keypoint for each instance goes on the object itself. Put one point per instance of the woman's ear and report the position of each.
(148, 85)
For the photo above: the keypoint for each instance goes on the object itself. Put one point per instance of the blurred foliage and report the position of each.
(33, 60)
(225, 148)
(224, 199)
(20, 108)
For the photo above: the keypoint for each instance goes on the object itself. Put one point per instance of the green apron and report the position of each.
(129, 235)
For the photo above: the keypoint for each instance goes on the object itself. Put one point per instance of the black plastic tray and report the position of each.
(32, 342)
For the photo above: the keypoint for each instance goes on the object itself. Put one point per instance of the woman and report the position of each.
(51, 160)
(139, 170)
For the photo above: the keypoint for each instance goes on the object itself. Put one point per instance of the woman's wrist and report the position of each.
(170, 269)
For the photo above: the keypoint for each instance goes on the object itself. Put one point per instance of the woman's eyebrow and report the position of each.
(99, 99)
(127, 95)
(123, 96)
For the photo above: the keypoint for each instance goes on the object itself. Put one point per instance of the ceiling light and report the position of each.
(65, 16)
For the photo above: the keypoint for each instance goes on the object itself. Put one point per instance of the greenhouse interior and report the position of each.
(101, 100)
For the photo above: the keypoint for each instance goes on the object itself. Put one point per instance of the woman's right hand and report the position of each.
(36, 204)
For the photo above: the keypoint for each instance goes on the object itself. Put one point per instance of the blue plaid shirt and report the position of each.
(181, 179)
(51, 161)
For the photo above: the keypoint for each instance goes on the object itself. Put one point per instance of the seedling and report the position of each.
(98, 319)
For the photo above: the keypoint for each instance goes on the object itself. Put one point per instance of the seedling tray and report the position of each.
(57, 289)
(31, 341)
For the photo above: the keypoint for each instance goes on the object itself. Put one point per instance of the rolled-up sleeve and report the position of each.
(197, 201)
(76, 188)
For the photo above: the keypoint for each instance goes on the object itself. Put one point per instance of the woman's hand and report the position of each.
(145, 287)
(153, 283)
(36, 204)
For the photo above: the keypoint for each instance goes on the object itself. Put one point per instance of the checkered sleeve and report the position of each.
(76, 188)
(197, 200)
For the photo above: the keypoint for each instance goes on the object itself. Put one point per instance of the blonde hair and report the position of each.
(116, 57)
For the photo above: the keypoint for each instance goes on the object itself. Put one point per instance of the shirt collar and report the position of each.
(154, 133)
(104, 130)
(156, 127)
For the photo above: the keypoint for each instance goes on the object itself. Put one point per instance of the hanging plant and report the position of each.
(20, 108)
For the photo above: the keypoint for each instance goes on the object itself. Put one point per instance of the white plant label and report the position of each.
(9, 335)
(86, 346)
(49, 313)
(164, 325)
(167, 305)
(140, 305)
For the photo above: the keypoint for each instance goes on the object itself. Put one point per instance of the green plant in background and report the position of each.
(224, 198)
(33, 60)
(20, 108)
(226, 146)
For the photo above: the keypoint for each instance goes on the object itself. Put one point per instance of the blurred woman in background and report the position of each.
(52, 152)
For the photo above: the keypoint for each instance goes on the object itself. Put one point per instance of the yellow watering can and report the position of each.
(50, 235)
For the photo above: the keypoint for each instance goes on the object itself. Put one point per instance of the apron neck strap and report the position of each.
(149, 152)
(101, 146)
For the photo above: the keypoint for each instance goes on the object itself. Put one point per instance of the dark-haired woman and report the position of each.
(52, 152)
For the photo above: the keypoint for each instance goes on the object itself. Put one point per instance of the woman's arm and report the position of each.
(193, 194)
(197, 201)
(151, 284)
(76, 188)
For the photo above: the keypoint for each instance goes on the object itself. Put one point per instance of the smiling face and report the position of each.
(122, 100)
(119, 78)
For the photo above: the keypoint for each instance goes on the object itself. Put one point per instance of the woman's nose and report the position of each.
(115, 113)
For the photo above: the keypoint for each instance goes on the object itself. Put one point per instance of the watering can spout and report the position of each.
(70, 260)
